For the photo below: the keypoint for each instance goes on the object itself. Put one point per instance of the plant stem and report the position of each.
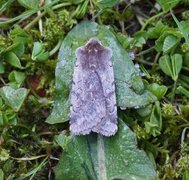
(56, 48)
(174, 89)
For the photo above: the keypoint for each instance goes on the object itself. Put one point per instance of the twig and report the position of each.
(143, 62)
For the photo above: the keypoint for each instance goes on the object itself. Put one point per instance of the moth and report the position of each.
(92, 98)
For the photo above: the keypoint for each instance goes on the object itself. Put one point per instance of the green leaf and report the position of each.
(1, 121)
(182, 28)
(145, 111)
(123, 39)
(154, 126)
(171, 66)
(62, 140)
(13, 98)
(165, 65)
(170, 42)
(107, 3)
(158, 90)
(97, 157)
(156, 31)
(39, 53)
(17, 48)
(13, 60)
(1, 174)
(29, 4)
(168, 4)
(182, 90)
(176, 61)
(130, 90)
(18, 35)
(140, 38)
(2, 69)
(16, 78)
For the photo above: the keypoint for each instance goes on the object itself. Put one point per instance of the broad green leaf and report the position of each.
(13, 60)
(170, 42)
(13, 98)
(29, 4)
(128, 92)
(97, 157)
(168, 4)
(107, 3)
(158, 90)
(154, 126)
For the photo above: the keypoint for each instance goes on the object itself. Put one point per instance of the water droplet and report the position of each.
(123, 108)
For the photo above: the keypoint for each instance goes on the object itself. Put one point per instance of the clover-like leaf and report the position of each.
(158, 90)
(39, 53)
(13, 98)
(171, 66)
(170, 42)
(13, 59)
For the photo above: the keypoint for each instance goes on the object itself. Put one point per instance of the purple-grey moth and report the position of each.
(93, 101)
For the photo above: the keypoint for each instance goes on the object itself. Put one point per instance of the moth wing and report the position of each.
(108, 125)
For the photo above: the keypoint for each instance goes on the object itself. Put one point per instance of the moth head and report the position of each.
(93, 45)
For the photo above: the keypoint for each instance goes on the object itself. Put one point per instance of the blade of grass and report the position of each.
(27, 13)
(180, 27)
(33, 172)
(5, 5)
